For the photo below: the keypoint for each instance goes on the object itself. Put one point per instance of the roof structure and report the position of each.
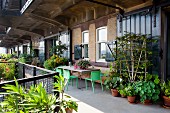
(22, 21)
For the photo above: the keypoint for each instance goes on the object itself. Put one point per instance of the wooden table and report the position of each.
(82, 73)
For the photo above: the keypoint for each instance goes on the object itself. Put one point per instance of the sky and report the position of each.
(2, 50)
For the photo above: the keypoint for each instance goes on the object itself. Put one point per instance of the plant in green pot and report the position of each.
(165, 87)
(131, 93)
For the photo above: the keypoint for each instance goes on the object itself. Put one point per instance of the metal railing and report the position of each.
(36, 75)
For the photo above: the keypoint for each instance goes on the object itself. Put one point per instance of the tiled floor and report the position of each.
(104, 102)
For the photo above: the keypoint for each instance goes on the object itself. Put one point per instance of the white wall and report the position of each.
(2, 50)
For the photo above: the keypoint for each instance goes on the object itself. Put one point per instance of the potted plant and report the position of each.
(113, 83)
(165, 87)
(131, 93)
(21, 100)
(122, 90)
(65, 103)
(123, 93)
(148, 91)
(83, 64)
(54, 61)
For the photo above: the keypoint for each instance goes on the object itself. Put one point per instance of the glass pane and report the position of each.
(102, 34)
(85, 37)
(41, 52)
(86, 51)
(102, 50)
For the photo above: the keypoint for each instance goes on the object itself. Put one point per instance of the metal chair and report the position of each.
(60, 71)
(95, 76)
(68, 76)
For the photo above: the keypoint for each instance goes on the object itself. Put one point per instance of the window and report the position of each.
(85, 43)
(101, 36)
(64, 39)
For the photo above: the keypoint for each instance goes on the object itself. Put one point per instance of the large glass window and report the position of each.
(85, 43)
(42, 52)
(101, 34)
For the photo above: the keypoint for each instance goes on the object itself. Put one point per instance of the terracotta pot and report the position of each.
(115, 92)
(166, 101)
(131, 99)
(69, 110)
(147, 102)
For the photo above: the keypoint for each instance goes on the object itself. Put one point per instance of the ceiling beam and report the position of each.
(47, 20)
(69, 7)
(35, 25)
(121, 11)
(27, 30)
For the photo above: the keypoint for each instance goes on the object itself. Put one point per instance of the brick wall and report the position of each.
(76, 38)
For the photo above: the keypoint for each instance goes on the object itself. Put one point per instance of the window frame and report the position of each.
(98, 42)
(85, 43)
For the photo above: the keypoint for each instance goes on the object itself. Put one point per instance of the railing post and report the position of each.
(23, 71)
(16, 68)
(34, 73)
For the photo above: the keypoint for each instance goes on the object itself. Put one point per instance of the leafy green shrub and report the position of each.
(130, 90)
(25, 58)
(165, 87)
(147, 90)
(64, 101)
(33, 100)
(54, 62)
(112, 82)
(7, 71)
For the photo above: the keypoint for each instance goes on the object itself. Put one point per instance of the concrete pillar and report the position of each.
(92, 42)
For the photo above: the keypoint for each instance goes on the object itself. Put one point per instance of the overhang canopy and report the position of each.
(42, 18)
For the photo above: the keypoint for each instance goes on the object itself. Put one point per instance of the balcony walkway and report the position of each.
(104, 102)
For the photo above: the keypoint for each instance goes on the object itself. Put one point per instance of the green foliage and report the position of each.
(112, 82)
(63, 99)
(6, 56)
(58, 50)
(7, 71)
(83, 64)
(130, 90)
(122, 90)
(133, 53)
(165, 87)
(147, 90)
(25, 58)
(54, 61)
(21, 100)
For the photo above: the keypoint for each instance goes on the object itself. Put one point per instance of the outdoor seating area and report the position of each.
(84, 56)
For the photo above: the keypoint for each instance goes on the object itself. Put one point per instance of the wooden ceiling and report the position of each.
(44, 17)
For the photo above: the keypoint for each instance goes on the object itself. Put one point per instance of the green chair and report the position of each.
(68, 76)
(95, 76)
(60, 71)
